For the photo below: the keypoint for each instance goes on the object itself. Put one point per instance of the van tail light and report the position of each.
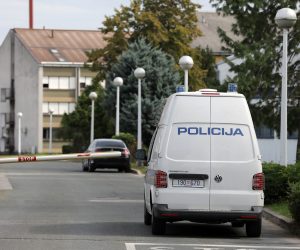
(161, 180)
(125, 153)
(258, 181)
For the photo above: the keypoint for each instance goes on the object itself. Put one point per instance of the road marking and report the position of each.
(163, 246)
(116, 201)
(4, 183)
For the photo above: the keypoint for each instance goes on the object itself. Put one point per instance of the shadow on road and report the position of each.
(139, 229)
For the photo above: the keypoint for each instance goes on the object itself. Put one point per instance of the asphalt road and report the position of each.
(56, 206)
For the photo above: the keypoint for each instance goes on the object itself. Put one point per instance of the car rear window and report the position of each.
(110, 144)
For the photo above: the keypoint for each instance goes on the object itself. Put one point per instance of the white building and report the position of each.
(268, 141)
(41, 69)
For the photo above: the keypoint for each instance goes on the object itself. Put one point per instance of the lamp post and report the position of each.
(285, 18)
(186, 63)
(50, 130)
(19, 131)
(139, 73)
(118, 82)
(92, 96)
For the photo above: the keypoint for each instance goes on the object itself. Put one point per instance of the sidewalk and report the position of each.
(281, 221)
(4, 183)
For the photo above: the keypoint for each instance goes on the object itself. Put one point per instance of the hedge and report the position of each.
(276, 183)
(294, 201)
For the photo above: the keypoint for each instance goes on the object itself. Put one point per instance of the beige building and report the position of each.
(209, 22)
(40, 70)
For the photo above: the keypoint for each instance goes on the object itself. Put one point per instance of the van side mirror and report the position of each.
(141, 155)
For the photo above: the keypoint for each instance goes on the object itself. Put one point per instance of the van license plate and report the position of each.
(188, 183)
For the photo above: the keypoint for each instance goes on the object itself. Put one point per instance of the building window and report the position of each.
(59, 108)
(5, 94)
(264, 132)
(64, 83)
(53, 83)
(46, 132)
(59, 82)
(85, 81)
(293, 135)
(55, 133)
(72, 83)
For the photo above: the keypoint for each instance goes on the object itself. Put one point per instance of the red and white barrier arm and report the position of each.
(33, 158)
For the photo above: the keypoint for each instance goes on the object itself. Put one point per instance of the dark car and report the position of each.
(107, 145)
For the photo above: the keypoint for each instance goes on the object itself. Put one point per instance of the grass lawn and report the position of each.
(141, 169)
(280, 208)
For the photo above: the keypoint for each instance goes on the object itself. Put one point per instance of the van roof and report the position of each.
(201, 93)
(209, 92)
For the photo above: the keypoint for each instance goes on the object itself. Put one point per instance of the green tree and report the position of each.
(160, 81)
(260, 47)
(76, 125)
(208, 64)
(168, 24)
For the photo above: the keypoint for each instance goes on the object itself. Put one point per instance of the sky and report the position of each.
(62, 14)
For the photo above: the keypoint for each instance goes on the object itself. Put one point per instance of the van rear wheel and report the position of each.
(158, 226)
(253, 228)
(147, 216)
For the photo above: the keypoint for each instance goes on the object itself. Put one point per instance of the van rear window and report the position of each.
(186, 144)
(210, 142)
(231, 142)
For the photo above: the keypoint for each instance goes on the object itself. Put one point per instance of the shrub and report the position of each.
(294, 201)
(293, 173)
(276, 179)
(129, 140)
(67, 149)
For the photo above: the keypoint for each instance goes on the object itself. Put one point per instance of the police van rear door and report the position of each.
(232, 154)
(188, 153)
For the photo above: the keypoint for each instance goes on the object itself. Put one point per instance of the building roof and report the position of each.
(52, 45)
(48, 45)
(208, 24)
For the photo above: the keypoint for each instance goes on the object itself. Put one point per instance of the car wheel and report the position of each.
(90, 167)
(253, 228)
(127, 169)
(158, 226)
(147, 216)
(84, 167)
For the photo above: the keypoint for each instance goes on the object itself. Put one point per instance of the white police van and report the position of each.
(204, 163)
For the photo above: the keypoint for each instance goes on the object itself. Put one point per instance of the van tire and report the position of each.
(147, 216)
(253, 228)
(158, 226)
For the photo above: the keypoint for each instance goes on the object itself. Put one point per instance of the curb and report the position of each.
(281, 221)
(4, 183)
(277, 219)
(136, 171)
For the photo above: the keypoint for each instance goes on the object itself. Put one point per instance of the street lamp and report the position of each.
(186, 63)
(139, 73)
(50, 130)
(118, 82)
(19, 131)
(285, 18)
(92, 96)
